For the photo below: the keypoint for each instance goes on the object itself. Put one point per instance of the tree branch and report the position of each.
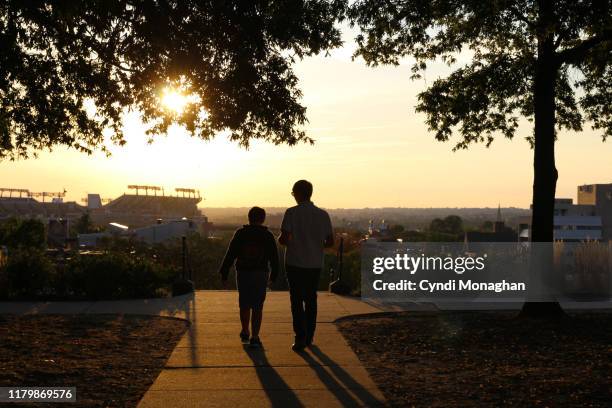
(579, 51)
(521, 17)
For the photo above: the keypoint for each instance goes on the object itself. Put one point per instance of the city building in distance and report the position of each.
(590, 219)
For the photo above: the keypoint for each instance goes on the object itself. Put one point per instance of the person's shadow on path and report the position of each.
(278, 391)
(340, 382)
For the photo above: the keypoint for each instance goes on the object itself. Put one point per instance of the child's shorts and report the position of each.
(252, 287)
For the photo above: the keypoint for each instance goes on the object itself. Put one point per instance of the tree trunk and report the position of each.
(544, 170)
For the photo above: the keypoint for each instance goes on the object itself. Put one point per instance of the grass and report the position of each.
(111, 359)
(486, 358)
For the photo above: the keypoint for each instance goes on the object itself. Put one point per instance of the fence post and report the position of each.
(338, 286)
(609, 270)
(340, 261)
(184, 256)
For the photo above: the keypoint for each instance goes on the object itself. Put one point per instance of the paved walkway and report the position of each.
(211, 368)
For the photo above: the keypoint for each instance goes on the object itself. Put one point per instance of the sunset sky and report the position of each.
(372, 150)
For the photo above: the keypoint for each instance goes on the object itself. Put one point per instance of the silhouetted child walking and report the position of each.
(253, 248)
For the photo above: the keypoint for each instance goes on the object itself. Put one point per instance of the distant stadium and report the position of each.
(145, 206)
(22, 203)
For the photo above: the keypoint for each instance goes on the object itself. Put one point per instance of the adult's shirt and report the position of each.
(309, 226)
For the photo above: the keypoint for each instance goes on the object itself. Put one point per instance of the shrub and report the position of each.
(351, 271)
(204, 259)
(116, 275)
(585, 267)
(16, 233)
(28, 273)
(146, 278)
(94, 276)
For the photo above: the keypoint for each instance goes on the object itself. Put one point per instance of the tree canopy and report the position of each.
(549, 61)
(69, 70)
(452, 224)
(489, 94)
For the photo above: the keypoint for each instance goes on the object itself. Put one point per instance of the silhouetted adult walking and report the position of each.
(306, 230)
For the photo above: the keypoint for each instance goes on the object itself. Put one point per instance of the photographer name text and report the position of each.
(452, 285)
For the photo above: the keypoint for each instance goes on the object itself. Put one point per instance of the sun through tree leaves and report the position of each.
(69, 70)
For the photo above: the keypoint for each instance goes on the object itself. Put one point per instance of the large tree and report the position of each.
(70, 69)
(545, 60)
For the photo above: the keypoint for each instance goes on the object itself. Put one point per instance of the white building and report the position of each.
(576, 222)
(577, 228)
(572, 223)
(152, 234)
(161, 232)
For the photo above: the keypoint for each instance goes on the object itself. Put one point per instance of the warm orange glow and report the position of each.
(371, 151)
(173, 100)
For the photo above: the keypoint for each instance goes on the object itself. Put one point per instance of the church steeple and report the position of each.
(499, 225)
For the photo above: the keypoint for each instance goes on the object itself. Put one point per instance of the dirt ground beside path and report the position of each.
(486, 358)
(111, 359)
